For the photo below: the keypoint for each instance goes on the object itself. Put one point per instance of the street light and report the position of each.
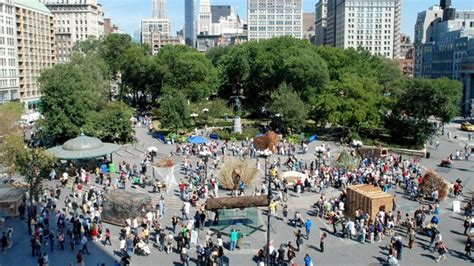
(266, 154)
(356, 144)
(193, 116)
(205, 157)
(319, 151)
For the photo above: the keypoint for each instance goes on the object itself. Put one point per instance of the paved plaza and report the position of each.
(338, 251)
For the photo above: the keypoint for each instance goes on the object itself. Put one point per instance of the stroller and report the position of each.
(142, 249)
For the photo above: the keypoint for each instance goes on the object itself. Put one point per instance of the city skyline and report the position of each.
(127, 14)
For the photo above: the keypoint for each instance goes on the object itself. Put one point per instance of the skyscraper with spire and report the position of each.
(159, 9)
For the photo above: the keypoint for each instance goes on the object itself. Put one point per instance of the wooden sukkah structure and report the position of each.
(369, 199)
(10, 199)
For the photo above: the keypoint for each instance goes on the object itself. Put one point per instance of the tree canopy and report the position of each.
(75, 99)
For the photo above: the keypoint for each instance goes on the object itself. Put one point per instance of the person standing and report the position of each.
(307, 260)
(10, 236)
(61, 240)
(4, 243)
(233, 239)
(162, 206)
(307, 226)
(411, 238)
(174, 222)
(322, 238)
(79, 259)
(281, 255)
(240, 236)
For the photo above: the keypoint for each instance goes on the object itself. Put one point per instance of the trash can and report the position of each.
(112, 168)
(428, 155)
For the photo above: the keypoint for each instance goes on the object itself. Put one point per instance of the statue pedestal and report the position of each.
(237, 125)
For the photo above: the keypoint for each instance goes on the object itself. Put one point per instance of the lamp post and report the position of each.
(266, 154)
(205, 157)
(356, 144)
(319, 152)
(193, 116)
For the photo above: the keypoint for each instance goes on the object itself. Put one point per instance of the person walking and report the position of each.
(399, 248)
(466, 224)
(468, 246)
(299, 239)
(107, 237)
(322, 238)
(84, 245)
(441, 251)
(307, 227)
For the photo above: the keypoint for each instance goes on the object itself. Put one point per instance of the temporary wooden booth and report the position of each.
(10, 200)
(368, 198)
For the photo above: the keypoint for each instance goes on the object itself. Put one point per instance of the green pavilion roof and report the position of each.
(83, 147)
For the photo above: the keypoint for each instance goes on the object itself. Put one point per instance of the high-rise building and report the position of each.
(219, 11)
(467, 78)
(444, 45)
(405, 60)
(9, 80)
(205, 18)
(156, 31)
(320, 21)
(75, 20)
(155, 26)
(308, 26)
(35, 46)
(159, 9)
(374, 25)
(109, 27)
(189, 23)
(271, 18)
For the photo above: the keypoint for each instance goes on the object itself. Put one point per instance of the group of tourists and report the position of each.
(57, 226)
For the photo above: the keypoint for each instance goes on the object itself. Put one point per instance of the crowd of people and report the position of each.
(74, 223)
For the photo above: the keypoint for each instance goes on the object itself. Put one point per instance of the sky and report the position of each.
(128, 13)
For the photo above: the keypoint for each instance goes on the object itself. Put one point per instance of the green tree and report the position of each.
(421, 100)
(174, 111)
(353, 103)
(112, 123)
(113, 51)
(70, 91)
(137, 76)
(33, 164)
(287, 110)
(10, 114)
(186, 70)
(259, 68)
